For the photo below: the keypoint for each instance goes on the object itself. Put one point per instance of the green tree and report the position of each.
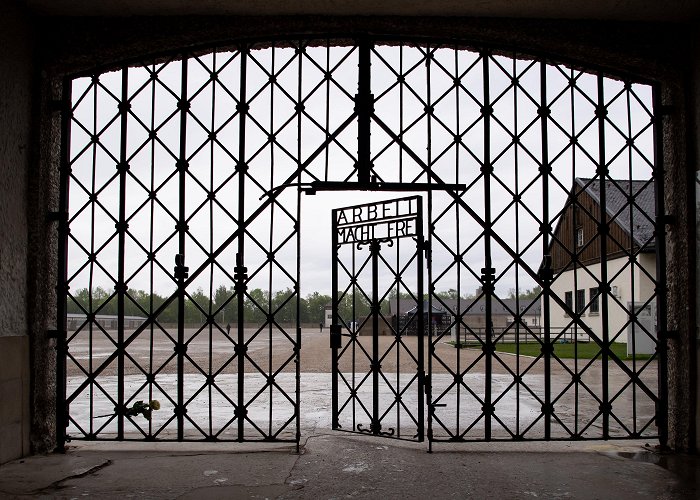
(315, 307)
(196, 308)
(529, 294)
(284, 306)
(225, 305)
(256, 305)
(81, 299)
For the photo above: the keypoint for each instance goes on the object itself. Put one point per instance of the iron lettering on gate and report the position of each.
(379, 221)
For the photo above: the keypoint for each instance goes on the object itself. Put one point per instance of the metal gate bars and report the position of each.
(372, 266)
(182, 224)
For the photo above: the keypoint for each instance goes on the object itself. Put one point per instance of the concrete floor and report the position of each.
(342, 465)
(336, 465)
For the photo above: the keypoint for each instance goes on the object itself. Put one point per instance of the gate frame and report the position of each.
(336, 328)
(62, 227)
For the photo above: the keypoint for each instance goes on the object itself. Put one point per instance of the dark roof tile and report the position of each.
(620, 197)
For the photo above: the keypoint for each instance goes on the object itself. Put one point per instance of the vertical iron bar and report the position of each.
(458, 251)
(212, 321)
(182, 232)
(396, 278)
(574, 145)
(661, 288)
(402, 84)
(151, 247)
(601, 112)
(327, 123)
(545, 170)
(121, 230)
(91, 309)
(431, 346)
(297, 347)
(487, 273)
(62, 295)
(240, 256)
(270, 249)
(335, 321)
(518, 317)
(420, 245)
(632, 257)
(353, 336)
(375, 247)
(363, 107)
(419, 230)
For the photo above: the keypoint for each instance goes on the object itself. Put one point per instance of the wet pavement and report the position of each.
(270, 406)
(332, 464)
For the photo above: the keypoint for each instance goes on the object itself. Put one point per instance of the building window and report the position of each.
(580, 301)
(569, 300)
(593, 298)
(579, 237)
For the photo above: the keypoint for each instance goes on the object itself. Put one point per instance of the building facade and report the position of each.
(583, 259)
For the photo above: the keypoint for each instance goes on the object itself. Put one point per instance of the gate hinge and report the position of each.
(666, 109)
(335, 338)
(181, 271)
(669, 220)
(672, 334)
(59, 105)
(425, 379)
(56, 216)
(424, 245)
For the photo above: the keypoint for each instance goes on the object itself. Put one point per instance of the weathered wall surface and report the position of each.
(15, 136)
(696, 157)
(14, 397)
(15, 92)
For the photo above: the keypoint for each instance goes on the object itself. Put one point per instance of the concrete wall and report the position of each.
(15, 124)
(696, 133)
(14, 395)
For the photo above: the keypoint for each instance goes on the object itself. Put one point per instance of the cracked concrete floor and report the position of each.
(336, 465)
(340, 465)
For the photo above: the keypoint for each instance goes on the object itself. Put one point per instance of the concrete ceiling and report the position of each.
(629, 10)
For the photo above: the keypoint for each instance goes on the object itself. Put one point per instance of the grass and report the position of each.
(582, 350)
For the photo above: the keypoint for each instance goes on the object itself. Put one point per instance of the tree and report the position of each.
(528, 294)
(225, 305)
(315, 307)
(256, 305)
(284, 306)
(449, 294)
(197, 307)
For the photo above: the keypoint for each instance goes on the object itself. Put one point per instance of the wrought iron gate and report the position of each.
(377, 275)
(181, 233)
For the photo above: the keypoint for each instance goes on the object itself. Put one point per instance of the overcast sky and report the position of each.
(455, 135)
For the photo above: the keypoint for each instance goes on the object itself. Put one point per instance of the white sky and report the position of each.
(212, 166)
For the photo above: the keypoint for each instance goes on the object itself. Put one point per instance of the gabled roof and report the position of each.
(620, 196)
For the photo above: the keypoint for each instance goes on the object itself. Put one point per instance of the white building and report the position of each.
(583, 262)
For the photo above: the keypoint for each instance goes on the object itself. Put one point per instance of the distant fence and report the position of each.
(512, 335)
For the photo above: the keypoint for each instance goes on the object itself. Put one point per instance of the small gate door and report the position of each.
(377, 335)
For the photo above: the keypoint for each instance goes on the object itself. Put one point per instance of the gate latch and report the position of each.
(336, 341)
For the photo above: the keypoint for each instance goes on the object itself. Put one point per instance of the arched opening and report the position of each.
(194, 247)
